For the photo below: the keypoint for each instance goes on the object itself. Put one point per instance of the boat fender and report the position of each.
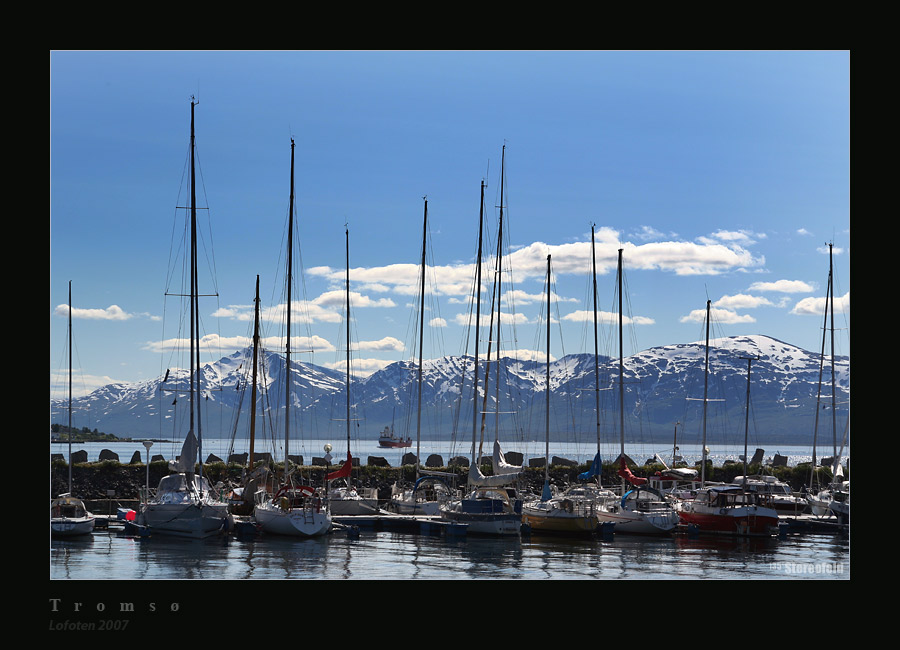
(285, 504)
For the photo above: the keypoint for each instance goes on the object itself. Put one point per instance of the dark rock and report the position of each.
(212, 458)
(537, 462)
(461, 461)
(136, 458)
(158, 458)
(409, 458)
(106, 454)
(434, 460)
(378, 461)
(556, 460)
(514, 457)
(240, 459)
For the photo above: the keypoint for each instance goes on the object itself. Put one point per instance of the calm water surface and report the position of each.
(113, 555)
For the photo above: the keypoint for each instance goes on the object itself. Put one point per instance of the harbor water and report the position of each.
(114, 556)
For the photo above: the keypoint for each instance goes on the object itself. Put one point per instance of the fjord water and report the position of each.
(377, 555)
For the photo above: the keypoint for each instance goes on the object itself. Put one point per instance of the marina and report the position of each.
(452, 437)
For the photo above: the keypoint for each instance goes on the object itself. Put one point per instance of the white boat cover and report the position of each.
(500, 464)
(478, 479)
(188, 453)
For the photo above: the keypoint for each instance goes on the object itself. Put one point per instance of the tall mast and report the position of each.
(477, 320)
(705, 392)
(499, 297)
(547, 389)
(819, 391)
(347, 246)
(195, 310)
(70, 387)
(596, 349)
(421, 337)
(621, 379)
(253, 387)
(747, 417)
(833, 402)
(287, 351)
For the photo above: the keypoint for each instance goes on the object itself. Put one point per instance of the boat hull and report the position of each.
(492, 524)
(297, 522)
(741, 521)
(639, 523)
(71, 526)
(556, 521)
(394, 444)
(195, 521)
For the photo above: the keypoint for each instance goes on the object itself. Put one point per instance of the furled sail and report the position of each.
(500, 464)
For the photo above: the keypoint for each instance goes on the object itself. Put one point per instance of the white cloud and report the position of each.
(783, 286)
(742, 301)
(816, 306)
(113, 312)
(723, 316)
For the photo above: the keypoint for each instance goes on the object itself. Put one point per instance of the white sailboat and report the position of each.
(184, 505)
(294, 509)
(640, 509)
(561, 514)
(68, 515)
(487, 507)
(347, 499)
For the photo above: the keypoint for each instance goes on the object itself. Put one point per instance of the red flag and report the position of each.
(343, 472)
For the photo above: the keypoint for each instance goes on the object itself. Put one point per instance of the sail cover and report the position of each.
(594, 470)
(625, 473)
(188, 453)
(343, 472)
(500, 464)
(478, 479)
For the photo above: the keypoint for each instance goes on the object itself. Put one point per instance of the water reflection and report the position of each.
(397, 556)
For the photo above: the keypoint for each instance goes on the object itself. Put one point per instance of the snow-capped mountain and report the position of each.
(661, 386)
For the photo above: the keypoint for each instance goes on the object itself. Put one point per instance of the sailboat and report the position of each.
(347, 499)
(728, 509)
(428, 491)
(833, 499)
(293, 509)
(641, 509)
(184, 505)
(68, 515)
(562, 514)
(486, 508)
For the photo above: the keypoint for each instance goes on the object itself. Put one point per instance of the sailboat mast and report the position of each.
(477, 320)
(253, 386)
(596, 348)
(421, 337)
(70, 387)
(819, 390)
(747, 418)
(703, 451)
(833, 401)
(287, 351)
(547, 388)
(621, 371)
(195, 309)
(347, 246)
(499, 296)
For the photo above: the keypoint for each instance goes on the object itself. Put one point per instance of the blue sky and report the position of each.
(722, 175)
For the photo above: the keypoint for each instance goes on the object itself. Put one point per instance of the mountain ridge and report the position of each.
(662, 388)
